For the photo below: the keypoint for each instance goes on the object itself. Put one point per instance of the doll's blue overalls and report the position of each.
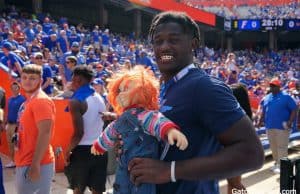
(137, 143)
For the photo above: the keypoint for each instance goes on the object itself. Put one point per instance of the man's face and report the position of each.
(76, 82)
(38, 60)
(5, 51)
(15, 89)
(70, 64)
(274, 89)
(75, 49)
(30, 82)
(172, 48)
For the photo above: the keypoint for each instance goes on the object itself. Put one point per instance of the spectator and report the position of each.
(34, 156)
(2, 106)
(47, 84)
(11, 60)
(14, 103)
(84, 169)
(278, 111)
(241, 94)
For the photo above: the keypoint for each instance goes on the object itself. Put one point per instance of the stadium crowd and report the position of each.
(51, 44)
(256, 9)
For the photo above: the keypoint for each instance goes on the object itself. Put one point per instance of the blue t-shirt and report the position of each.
(63, 44)
(74, 38)
(105, 39)
(277, 109)
(80, 61)
(47, 27)
(47, 73)
(203, 107)
(30, 34)
(10, 61)
(14, 104)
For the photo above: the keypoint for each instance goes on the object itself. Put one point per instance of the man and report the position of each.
(47, 85)
(10, 59)
(86, 106)
(278, 111)
(146, 61)
(14, 103)
(2, 107)
(222, 139)
(80, 60)
(34, 156)
(67, 69)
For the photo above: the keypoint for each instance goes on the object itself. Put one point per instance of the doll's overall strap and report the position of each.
(132, 118)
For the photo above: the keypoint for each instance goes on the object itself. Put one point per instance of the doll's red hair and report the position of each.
(147, 88)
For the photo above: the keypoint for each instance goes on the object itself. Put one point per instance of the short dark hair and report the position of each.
(240, 92)
(16, 84)
(84, 71)
(187, 23)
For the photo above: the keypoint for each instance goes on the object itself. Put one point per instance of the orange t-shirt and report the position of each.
(36, 109)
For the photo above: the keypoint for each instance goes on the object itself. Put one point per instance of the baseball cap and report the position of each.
(7, 45)
(98, 81)
(75, 44)
(37, 54)
(292, 85)
(275, 82)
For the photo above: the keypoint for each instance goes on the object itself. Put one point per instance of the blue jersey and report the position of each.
(63, 44)
(14, 104)
(10, 61)
(74, 38)
(47, 73)
(277, 109)
(80, 61)
(203, 107)
(105, 39)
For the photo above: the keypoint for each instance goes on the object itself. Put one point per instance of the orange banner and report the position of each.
(172, 5)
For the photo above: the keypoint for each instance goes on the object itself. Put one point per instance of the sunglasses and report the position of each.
(39, 58)
(67, 62)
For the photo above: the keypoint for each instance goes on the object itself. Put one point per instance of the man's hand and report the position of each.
(108, 116)
(146, 170)
(67, 158)
(34, 172)
(94, 151)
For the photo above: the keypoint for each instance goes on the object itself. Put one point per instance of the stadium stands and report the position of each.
(237, 9)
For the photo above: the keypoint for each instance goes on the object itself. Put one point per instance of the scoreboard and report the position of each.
(262, 25)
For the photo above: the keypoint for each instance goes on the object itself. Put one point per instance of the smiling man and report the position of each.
(223, 140)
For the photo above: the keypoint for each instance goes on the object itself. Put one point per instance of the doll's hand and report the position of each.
(94, 151)
(176, 135)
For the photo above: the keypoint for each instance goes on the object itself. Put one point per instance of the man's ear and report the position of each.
(195, 43)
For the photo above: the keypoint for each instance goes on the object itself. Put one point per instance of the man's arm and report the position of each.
(19, 67)
(242, 152)
(47, 83)
(292, 117)
(43, 141)
(76, 113)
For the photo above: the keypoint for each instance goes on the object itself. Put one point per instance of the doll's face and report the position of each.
(124, 99)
